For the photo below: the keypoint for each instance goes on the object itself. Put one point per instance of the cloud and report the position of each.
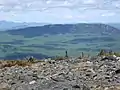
(16, 5)
(81, 16)
(108, 14)
(48, 2)
(89, 1)
(59, 10)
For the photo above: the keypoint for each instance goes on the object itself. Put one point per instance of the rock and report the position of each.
(117, 71)
(65, 89)
(32, 82)
(106, 88)
(109, 58)
(35, 66)
(76, 86)
(51, 62)
(4, 86)
(85, 87)
(114, 56)
(22, 87)
(1, 66)
(118, 58)
(57, 78)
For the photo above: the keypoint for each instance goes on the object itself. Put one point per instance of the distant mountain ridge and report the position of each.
(7, 25)
(116, 25)
(52, 29)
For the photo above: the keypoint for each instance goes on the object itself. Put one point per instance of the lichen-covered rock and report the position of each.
(4, 86)
(98, 73)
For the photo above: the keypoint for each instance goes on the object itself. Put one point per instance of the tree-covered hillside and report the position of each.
(55, 39)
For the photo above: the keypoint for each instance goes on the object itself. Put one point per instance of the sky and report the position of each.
(60, 11)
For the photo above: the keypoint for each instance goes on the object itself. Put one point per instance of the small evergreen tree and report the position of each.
(31, 59)
(83, 54)
(66, 54)
(102, 52)
(111, 52)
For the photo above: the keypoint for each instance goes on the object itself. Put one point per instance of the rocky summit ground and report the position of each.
(91, 73)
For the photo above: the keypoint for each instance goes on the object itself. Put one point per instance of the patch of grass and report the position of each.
(117, 54)
(10, 63)
(104, 52)
(59, 58)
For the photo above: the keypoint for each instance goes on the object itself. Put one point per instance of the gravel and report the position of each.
(95, 73)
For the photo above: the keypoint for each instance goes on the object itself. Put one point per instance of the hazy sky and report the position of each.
(60, 11)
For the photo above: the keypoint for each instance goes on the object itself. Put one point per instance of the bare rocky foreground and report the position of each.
(93, 73)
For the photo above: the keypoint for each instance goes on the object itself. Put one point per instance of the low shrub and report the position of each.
(10, 63)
